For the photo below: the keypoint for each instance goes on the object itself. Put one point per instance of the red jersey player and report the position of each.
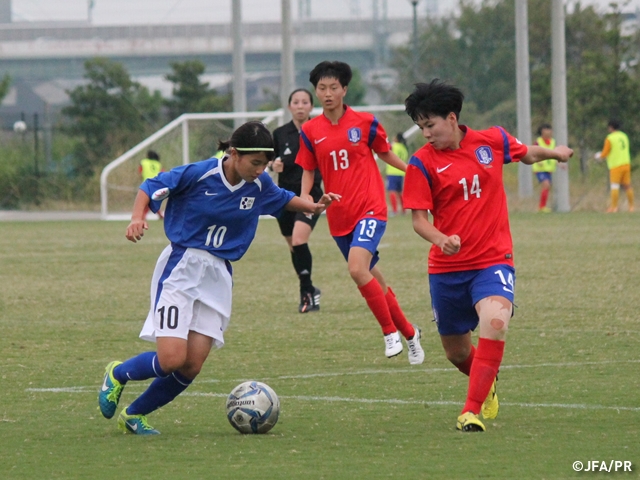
(457, 176)
(339, 144)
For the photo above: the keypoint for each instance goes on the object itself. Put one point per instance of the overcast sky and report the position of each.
(118, 12)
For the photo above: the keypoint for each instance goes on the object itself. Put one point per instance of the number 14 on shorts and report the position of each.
(507, 282)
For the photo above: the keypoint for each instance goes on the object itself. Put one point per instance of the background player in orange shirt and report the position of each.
(616, 151)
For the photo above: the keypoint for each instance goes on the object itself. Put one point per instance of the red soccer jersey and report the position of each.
(463, 189)
(343, 155)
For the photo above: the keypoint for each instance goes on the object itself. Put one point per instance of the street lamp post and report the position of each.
(414, 40)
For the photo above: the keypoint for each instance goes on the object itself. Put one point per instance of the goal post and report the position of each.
(194, 137)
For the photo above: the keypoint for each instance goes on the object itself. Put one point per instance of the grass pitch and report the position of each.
(74, 296)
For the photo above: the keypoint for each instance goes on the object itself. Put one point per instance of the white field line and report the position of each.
(389, 401)
(575, 406)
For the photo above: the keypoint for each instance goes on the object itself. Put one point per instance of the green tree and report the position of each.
(110, 114)
(5, 83)
(475, 49)
(190, 95)
(357, 89)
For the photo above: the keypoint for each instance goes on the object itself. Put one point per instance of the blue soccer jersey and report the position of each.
(204, 211)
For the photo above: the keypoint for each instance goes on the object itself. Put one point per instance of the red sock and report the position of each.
(373, 294)
(465, 367)
(544, 195)
(397, 315)
(394, 202)
(483, 372)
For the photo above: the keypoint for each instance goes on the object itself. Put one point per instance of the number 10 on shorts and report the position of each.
(169, 317)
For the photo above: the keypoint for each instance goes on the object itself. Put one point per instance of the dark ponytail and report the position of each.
(251, 137)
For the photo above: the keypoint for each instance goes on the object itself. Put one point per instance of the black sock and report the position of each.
(302, 262)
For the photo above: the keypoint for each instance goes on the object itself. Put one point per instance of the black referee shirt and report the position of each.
(286, 144)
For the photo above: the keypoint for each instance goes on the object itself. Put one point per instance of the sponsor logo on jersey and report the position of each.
(246, 203)
(160, 194)
(354, 134)
(484, 155)
(440, 170)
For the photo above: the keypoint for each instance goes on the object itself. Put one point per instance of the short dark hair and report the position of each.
(338, 70)
(300, 90)
(250, 135)
(544, 126)
(400, 138)
(434, 99)
(615, 124)
(152, 155)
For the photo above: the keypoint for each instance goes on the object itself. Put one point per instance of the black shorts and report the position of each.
(287, 219)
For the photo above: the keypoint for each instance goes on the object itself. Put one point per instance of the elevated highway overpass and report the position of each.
(58, 50)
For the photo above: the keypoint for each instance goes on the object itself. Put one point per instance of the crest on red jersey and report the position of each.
(484, 155)
(354, 134)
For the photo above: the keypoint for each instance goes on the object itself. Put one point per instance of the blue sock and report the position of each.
(141, 367)
(160, 392)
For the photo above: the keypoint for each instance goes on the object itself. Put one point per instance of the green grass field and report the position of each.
(74, 296)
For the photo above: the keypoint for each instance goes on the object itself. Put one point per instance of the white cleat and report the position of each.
(393, 345)
(416, 353)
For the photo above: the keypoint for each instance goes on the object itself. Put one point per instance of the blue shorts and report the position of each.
(454, 295)
(395, 183)
(367, 234)
(542, 176)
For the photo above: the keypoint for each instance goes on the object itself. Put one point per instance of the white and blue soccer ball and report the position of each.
(253, 407)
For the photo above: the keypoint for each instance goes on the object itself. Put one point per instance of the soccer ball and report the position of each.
(253, 407)
(19, 127)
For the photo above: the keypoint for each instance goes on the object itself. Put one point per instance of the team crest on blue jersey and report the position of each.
(484, 155)
(246, 203)
(354, 134)
(160, 194)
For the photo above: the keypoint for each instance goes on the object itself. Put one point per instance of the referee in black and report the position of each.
(297, 227)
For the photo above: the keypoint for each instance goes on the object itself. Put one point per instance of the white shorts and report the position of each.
(190, 290)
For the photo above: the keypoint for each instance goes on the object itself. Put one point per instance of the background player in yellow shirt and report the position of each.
(150, 167)
(395, 176)
(544, 169)
(616, 151)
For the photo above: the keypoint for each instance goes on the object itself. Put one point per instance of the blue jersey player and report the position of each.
(211, 219)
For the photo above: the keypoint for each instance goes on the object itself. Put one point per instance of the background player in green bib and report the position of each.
(395, 176)
(616, 151)
(150, 167)
(544, 169)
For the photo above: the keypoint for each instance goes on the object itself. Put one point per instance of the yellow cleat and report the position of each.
(545, 210)
(469, 422)
(491, 405)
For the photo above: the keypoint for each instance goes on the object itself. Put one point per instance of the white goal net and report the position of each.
(193, 137)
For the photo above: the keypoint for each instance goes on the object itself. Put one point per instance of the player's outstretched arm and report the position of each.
(307, 184)
(450, 245)
(298, 204)
(393, 160)
(135, 230)
(536, 154)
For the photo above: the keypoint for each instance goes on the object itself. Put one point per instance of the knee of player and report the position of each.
(190, 370)
(457, 355)
(499, 325)
(171, 361)
(358, 274)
